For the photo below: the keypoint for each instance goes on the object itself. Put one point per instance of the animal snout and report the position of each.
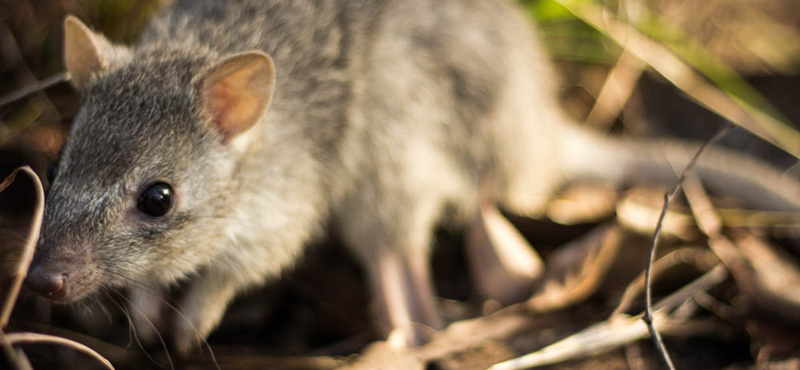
(49, 282)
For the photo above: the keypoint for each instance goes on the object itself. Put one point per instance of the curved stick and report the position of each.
(31, 235)
(18, 338)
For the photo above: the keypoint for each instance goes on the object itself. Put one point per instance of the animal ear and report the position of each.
(237, 91)
(85, 52)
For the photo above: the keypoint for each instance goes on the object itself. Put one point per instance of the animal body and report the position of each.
(232, 133)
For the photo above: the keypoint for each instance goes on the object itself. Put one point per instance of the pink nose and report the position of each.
(47, 283)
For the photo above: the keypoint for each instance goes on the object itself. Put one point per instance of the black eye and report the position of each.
(52, 171)
(156, 200)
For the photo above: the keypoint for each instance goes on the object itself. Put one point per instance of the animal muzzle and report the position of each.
(56, 281)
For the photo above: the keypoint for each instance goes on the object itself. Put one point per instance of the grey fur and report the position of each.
(386, 113)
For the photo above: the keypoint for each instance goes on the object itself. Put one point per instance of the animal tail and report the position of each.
(591, 156)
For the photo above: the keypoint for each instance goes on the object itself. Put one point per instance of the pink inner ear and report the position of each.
(233, 107)
(221, 102)
(234, 102)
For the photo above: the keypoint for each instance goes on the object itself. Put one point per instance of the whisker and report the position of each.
(102, 308)
(135, 334)
(172, 304)
(201, 340)
(131, 329)
(149, 322)
(85, 307)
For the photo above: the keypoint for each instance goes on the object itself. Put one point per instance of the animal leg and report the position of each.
(203, 307)
(502, 263)
(404, 298)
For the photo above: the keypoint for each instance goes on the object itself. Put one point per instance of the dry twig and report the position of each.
(30, 89)
(702, 259)
(668, 197)
(31, 235)
(617, 331)
(18, 338)
(23, 253)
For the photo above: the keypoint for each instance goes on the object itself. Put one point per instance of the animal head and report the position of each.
(143, 185)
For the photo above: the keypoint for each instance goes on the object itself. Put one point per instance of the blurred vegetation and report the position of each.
(758, 36)
(740, 41)
(724, 40)
(30, 51)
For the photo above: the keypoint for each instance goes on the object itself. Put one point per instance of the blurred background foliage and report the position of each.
(32, 128)
(707, 49)
(730, 42)
(751, 36)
